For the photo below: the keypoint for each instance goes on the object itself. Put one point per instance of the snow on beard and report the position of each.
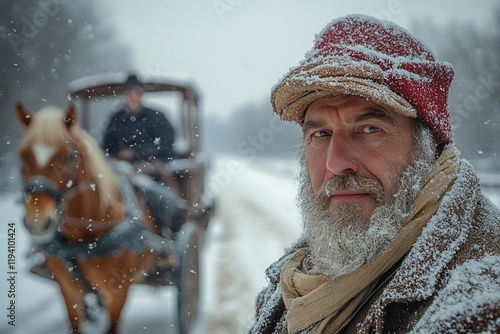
(340, 240)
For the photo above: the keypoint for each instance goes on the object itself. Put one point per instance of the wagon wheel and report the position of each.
(188, 281)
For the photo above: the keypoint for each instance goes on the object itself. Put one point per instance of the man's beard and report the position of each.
(340, 240)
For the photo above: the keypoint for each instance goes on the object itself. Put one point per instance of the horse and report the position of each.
(92, 233)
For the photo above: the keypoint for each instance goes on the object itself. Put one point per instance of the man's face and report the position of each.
(133, 98)
(349, 136)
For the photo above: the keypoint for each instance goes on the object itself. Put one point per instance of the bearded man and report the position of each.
(397, 236)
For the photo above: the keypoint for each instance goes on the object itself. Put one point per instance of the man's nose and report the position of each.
(341, 159)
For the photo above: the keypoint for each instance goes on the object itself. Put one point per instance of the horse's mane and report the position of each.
(47, 128)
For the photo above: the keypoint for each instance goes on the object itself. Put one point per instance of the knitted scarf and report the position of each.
(320, 304)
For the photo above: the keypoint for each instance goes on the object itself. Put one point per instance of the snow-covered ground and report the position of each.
(255, 219)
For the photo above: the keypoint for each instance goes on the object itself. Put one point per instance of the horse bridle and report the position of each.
(42, 185)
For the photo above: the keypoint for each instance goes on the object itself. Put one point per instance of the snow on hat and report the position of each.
(363, 56)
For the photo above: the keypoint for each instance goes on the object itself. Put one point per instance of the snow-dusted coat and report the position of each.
(449, 282)
(147, 133)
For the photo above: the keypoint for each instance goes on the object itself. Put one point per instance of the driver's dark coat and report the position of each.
(148, 133)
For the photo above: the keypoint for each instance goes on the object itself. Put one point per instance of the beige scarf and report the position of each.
(325, 304)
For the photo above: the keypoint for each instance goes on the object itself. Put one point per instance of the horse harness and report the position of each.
(129, 234)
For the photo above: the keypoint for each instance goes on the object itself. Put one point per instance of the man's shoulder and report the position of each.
(156, 116)
(152, 112)
(485, 230)
(269, 304)
(469, 297)
(469, 301)
(274, 270)
(489, 216)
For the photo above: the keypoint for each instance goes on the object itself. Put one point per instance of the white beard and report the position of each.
(340, 240)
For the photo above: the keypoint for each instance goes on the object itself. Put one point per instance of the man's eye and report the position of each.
(320, 133)
(370, 129)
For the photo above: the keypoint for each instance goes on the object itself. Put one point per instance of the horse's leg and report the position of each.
(102, 274)
(115, 305)
(112, 276)
(134, 266)
(71, 291)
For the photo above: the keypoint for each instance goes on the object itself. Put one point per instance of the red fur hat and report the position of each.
(364, 56)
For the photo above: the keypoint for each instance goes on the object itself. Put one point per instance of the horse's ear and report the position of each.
(23, 115)
(70, 117)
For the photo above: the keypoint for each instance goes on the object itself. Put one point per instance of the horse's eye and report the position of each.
(72, 158)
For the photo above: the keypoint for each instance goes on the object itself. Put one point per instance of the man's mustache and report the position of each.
(351, 182)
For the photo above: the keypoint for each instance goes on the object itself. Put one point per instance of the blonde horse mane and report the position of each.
(47, 128)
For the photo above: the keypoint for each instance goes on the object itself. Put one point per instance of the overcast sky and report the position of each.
(236, 50)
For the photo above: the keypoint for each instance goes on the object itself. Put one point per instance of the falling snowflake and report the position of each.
(157, 141)
(69, 184)
(92, 186)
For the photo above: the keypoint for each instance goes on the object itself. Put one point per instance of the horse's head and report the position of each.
(66, 176)
(49, 156)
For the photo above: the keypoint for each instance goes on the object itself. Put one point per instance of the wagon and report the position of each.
(96, 98)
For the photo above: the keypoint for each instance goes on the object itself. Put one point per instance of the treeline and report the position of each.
(44, 44)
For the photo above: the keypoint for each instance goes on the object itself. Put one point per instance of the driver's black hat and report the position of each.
(132, 82)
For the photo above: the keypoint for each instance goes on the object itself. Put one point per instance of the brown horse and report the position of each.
(95, 236)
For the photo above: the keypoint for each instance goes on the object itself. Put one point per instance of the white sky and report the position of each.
(237, 54)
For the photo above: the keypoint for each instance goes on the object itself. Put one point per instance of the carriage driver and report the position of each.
(145, 138)
(136, 132)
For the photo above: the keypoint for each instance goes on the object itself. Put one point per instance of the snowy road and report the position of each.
(255, 219)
